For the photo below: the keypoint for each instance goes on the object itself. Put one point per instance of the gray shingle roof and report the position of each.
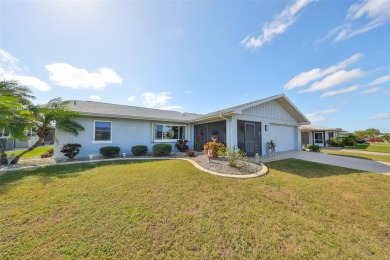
(92, 108)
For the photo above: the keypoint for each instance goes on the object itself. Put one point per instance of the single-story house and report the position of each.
(248, 126)
(318, 135)
(10, 143)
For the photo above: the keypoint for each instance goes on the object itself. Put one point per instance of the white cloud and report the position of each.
(363, 17)
(278, 25)
(172, 108)
(10, 70)
(380, 80)
(155, 99)
(319, 116)
(66, 75)
(314, 74)
(370, 90)
(380, 116)
(93, 97)
(340, 91)
(131, 99)
(334, 79)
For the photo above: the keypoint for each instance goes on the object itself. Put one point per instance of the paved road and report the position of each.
(347, 162)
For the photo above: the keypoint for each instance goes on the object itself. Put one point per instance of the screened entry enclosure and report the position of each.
(205, 132)
(248, 135)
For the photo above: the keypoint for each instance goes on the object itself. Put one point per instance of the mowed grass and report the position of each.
(36, 152)
(374, 157)
(373, 147)
(169, 209)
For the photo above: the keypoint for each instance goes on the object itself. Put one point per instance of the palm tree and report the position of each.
(53, 115)
(14, 109)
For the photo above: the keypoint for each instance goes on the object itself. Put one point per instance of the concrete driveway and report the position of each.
(347, 162)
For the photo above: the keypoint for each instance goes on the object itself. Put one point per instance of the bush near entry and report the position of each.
(139, 150)
(162, 149)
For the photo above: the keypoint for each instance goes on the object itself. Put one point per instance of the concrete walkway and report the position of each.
(342, 161)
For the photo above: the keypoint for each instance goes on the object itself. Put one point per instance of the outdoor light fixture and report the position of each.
(266, 127)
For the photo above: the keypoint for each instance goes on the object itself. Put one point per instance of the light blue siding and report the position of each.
(126, 133)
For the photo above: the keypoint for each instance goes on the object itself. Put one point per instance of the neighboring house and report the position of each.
(12, 144)
(318, 135)
(248, 126)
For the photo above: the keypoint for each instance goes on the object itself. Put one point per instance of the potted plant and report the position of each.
(271, 147)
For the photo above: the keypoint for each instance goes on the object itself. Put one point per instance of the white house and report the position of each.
(249, 126)
(318, 135)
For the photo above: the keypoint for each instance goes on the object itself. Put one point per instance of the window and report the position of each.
(318, 138)
(102, 131)
(169, 132)
(331, 135)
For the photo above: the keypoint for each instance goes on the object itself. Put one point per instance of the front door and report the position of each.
(250, 139)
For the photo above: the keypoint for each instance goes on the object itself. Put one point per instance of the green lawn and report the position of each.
(36, 152)
(373, 147)
(374, 157)
(169, 209)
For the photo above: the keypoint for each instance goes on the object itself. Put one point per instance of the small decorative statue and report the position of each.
(236, 149)
(210, 155)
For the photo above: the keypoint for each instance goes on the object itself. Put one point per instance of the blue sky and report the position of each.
(330, 58)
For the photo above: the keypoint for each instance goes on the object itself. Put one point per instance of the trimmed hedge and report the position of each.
(71, 150)
(110, 151)
(139, 150)
(162, 149)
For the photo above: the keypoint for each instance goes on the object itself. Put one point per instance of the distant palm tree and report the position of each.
(14, 110)
(53, 115)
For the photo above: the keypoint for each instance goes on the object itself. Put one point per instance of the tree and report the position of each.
(15, 102)
(53, 115)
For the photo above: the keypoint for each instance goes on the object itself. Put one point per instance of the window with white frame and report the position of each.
(102, 131)
(169, 132)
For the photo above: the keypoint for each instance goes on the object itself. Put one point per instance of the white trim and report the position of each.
(94, 133)
(186, 132)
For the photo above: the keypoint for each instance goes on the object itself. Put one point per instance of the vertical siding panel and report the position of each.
(271, 109)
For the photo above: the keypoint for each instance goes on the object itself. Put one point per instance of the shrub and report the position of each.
(214, 147)
(335, 142)
(313, 148)
(162, 149)
(190, 153)
(181, 145)
(110, 151)
(349, 140)
(232, 156)
(139, 150)
(71, 150)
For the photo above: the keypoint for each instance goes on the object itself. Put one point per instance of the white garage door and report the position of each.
(285, 137)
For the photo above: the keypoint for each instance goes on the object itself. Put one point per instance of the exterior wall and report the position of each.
(271, 109)
(125, 133)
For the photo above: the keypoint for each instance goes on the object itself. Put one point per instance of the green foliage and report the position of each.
(214, 147)
(110, 151)
(369, 133)
(181, 145)
(385, 138)
(162, 149)
(232, 156)
(349, 140)
(71, 150)
(313, 148)
(335, 142)
(139, 150)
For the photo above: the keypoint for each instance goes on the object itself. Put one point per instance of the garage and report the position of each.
(285, 137)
